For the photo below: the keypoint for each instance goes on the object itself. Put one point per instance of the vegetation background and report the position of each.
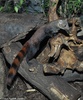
(67, 8)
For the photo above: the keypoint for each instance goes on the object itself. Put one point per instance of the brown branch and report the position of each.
(53, 10)
(73, 33)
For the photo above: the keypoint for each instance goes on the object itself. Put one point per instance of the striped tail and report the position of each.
(16, 63)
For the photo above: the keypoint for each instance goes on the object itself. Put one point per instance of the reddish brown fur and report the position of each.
(20, 54)
(16, 61)
(12, 71)
(24, 49)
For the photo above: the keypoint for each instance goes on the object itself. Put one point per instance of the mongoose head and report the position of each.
(63, 24)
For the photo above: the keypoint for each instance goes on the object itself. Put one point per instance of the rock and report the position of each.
(35, 6)
(18, 25)
(81, 18)
(80, 34)
(70, 75)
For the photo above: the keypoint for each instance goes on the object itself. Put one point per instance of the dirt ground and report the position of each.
(19, 92)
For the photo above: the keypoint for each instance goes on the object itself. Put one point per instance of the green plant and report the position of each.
(69, 7)
(1, 8)
(11, 6)
(18, 5)
(73, 6)
(45, 5)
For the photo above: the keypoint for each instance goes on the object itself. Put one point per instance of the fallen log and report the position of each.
(2, 75)
(54, 87)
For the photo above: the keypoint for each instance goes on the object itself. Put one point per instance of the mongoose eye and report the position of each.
(64, 25)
